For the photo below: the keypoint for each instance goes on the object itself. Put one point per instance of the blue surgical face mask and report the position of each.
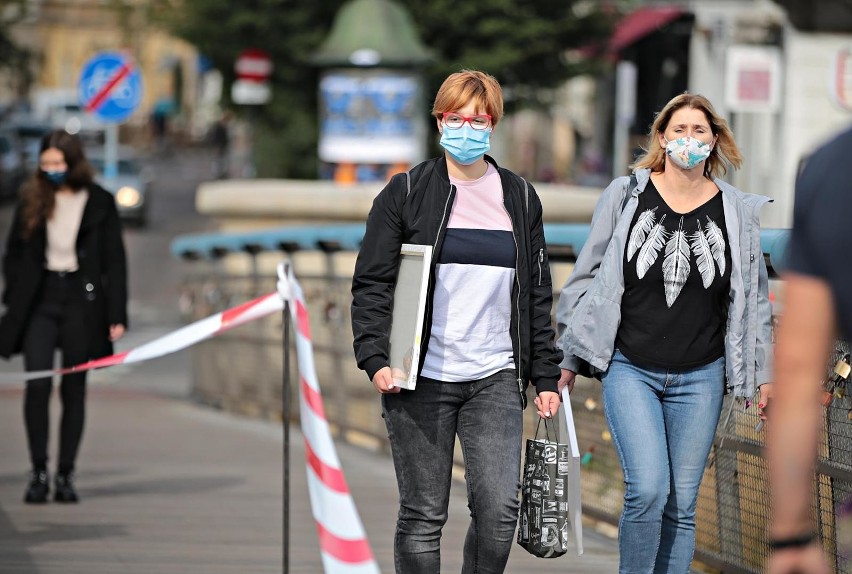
(56, 178)
(465, 144)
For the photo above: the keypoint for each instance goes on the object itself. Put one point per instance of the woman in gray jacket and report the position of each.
(668, 304)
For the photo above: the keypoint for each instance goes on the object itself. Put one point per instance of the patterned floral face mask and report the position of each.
(687, 152)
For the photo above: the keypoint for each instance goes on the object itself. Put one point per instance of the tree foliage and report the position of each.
(14, 59)
(525, 44)
(522, 42)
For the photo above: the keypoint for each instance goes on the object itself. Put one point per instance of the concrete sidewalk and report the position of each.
(169, 486)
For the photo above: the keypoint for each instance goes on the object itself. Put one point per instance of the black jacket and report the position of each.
(102, 275)
(420, 217)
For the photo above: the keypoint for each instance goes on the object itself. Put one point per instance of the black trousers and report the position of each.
(58, 321)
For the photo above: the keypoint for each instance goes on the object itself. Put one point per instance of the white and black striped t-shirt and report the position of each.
(472, 304)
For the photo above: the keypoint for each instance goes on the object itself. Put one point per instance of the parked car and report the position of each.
(131, 186)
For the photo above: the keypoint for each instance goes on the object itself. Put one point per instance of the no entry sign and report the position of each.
(253, 64)
(110, 86)
(253, 68)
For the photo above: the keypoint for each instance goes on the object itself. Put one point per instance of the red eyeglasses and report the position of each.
(478, 122)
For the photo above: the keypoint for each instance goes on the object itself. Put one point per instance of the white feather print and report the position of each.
(676, 264)
(644, 224)
(651, 248)
(717, 243)
(704, 256)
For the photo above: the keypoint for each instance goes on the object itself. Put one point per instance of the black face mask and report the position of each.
(55, 178)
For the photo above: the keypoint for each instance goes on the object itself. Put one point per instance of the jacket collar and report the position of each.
(749, 199)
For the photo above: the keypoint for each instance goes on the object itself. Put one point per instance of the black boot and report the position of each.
(65, 488)
(37, 489)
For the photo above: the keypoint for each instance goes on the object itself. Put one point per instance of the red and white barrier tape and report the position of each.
(174, 341)
(343, 542)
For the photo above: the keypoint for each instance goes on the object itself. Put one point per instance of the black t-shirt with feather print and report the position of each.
(677, 277)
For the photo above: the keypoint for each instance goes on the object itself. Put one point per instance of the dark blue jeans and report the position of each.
(422, 425)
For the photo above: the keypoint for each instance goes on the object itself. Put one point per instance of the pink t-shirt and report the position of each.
(475, 272)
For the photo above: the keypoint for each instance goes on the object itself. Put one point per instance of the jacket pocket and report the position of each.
(542, 264)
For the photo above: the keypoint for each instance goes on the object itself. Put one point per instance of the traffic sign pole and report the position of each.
(111, 156)
(252, 68)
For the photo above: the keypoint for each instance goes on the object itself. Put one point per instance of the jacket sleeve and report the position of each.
(375, 276)
(763, 351)
(545, 355)
(114, 266)
(12, 255)
(601, 229)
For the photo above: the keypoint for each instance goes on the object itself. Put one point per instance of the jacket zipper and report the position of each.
(540, 261)
(424, 344)
(517, 308)
(440, 227)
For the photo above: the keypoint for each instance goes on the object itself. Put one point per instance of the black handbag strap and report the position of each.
(546, 429)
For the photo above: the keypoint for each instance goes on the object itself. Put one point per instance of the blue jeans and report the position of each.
(662, 424)
(422, 425)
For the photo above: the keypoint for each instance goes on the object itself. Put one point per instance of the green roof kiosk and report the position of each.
(373, 117)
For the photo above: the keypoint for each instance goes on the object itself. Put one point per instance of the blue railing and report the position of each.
(564, 240)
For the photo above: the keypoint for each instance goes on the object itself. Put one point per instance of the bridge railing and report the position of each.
(241, 371)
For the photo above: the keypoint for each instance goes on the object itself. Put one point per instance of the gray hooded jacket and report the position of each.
(589, 310)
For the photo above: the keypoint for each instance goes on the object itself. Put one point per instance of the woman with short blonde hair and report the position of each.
(486, 330)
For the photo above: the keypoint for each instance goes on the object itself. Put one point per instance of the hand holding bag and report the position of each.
(543, 522)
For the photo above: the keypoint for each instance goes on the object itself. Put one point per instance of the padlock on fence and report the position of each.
(835, 387)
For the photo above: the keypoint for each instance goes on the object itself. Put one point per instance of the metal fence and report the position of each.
(241, 371)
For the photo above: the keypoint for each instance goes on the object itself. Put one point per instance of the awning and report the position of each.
(641, 23)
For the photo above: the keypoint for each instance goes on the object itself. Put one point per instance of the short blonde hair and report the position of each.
(470, 85)
(725, 150)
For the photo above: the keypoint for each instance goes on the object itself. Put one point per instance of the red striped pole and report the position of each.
(343, 542)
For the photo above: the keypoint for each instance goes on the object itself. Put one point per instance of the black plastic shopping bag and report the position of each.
(543, 523)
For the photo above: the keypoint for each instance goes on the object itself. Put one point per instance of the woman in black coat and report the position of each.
(65, 287)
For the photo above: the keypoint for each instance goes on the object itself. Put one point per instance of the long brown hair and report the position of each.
(725, 150)
(38, 194)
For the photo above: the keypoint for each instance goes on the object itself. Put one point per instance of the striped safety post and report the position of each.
(343, 542)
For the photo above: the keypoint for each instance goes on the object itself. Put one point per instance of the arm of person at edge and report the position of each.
(372, 286)
(804, 340)
(604, 219)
